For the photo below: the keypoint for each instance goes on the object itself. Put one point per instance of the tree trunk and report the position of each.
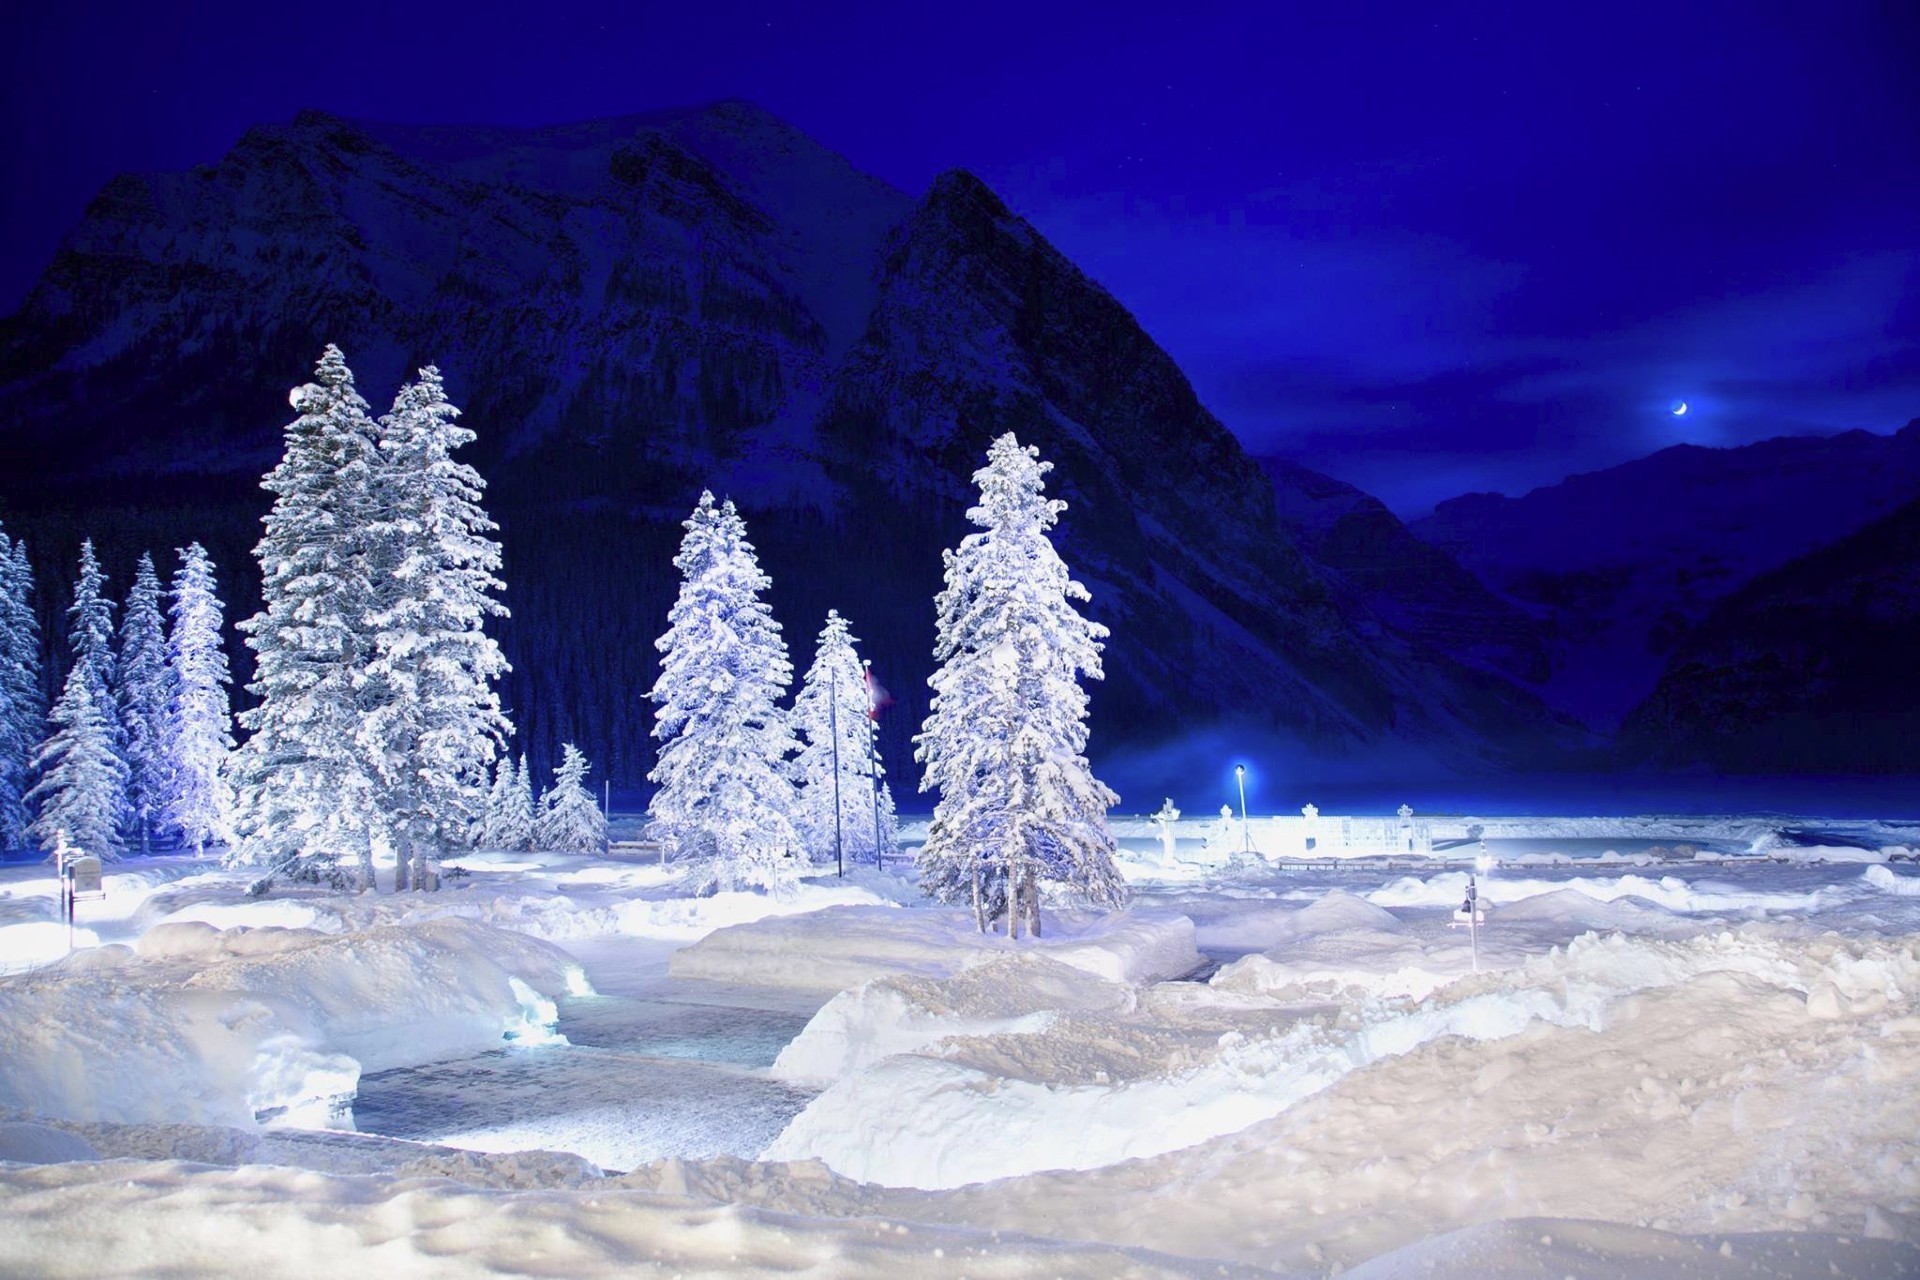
(402, 850)
(979, 912)
(1033, 905)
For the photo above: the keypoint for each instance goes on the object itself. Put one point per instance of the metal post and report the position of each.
(833, 731)
(1473, 919)
(873, 762)
(1246, 838)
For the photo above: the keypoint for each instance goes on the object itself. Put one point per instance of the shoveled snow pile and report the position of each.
(223, 1026)
(841, 947)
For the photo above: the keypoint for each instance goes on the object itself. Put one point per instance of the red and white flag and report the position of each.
(878, 699)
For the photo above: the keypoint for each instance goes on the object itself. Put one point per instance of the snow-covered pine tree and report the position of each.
(433, 722)
(724, 782)
(494, 817)
(23, 712)
(831, 717)
(1004, 740)
(82, 785)
(570, 822)
(199, 733)
(524, 812)
(145, 694)
(90, 630)
(304, 801)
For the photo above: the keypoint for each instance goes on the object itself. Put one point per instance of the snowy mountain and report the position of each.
(1414, 587)
(1622, 563)
(1808, 669)
(631, 310)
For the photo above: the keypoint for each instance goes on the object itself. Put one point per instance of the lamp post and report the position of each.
(1246, 839)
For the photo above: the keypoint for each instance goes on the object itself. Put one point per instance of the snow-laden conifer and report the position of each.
(832, 717)
(199, 734)
(509, 819)
(90, 629)
(433, 722)
(305, 803)
(725, 790)
(145, 694)
(1005, 738)
(525, 809)
(82, 778)
(23, 709)
(571, 822)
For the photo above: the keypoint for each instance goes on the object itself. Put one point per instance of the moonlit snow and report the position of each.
(1698, 1063)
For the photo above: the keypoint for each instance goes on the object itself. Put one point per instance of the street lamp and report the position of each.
(1240, 776)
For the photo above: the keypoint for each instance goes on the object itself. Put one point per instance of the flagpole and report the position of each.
(833, 731)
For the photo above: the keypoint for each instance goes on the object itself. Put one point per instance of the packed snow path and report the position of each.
(652, 1066)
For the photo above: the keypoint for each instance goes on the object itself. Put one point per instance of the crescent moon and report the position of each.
(1680, 410)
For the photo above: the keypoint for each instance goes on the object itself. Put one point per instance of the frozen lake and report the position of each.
(654, 1067)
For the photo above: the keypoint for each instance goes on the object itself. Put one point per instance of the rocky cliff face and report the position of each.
(1622, 563)
(631, 309)
(1413, 587)
(1808, 669)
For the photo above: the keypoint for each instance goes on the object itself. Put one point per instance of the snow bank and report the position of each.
(119, 1218)
(1573, 1247)
(1077, 1093)
(26, 1143)
(1002, 995)
(841, 947)
(1889, 881)
(1671, 892)
(227, 1026)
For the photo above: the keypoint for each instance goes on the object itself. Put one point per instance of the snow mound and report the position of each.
(842, 947)
(1338, 911)
(1003, 995)
(1573, 1247)
(26, 1143)
(1570, 908)
(231, 1026)
(1888, 880)
(1671, 892)
(117, 1218)
(1040, 1096)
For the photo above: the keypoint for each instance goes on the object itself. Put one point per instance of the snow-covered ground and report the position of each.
(1688, 1049)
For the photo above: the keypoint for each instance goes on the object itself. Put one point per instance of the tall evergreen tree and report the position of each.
(90, 625)
(433, 721)
(831, 717)
(570, 822)
(725, 789)
(306, 805)
(1004, 741)
(22, 704)
(199, 726)
(525, 811)
(145, 694)
(82, 778)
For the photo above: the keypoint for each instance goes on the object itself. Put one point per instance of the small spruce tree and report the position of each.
(23, 708)
(82, 785)
(145, 695)
(199, 725)
(832, 718)
(571, 822)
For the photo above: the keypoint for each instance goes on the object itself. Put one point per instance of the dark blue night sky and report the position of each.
(1427, 251)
